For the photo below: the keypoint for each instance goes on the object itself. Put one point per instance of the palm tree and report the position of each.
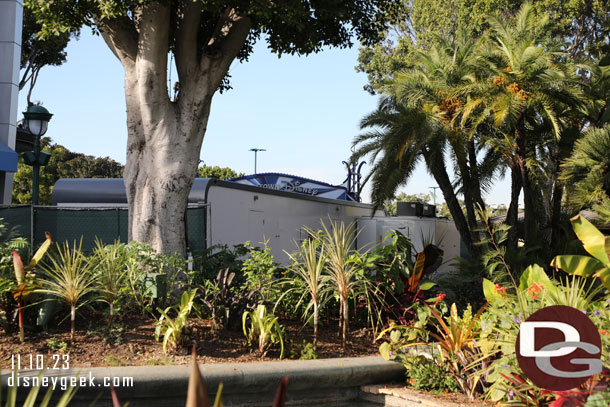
(522, 80)
(419, 119)
(587, 172)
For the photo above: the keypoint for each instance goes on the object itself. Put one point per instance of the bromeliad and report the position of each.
(24, 283)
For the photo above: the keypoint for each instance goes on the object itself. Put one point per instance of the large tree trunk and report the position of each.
(160, 175)
(165, 136)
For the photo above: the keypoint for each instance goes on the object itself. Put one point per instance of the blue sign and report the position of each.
(299, 185)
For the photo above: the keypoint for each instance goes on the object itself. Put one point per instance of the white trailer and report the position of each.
(239, 212)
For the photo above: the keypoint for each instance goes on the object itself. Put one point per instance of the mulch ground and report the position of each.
(134, 344)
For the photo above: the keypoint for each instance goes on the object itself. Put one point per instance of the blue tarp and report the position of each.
(8, 158)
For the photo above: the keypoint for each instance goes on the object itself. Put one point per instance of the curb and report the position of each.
(245, 384)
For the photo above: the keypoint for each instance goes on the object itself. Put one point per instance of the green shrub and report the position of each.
(430, 375)
(57, 344)
(304, 351)
(260, 272)
(173, 329)
(263, 328)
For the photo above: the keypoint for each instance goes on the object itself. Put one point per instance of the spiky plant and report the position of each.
(339, 242)
(110, 272)
(308, 264)
(69, 278)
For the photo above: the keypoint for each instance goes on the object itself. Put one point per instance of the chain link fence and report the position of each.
(106, 224)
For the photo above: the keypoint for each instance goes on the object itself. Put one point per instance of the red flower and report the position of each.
(439, 297)
(499, 289)
(603, 331)
(534, 288)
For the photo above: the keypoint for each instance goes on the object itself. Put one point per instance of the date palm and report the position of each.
(419, 119)
(521, 81)
(68, 277)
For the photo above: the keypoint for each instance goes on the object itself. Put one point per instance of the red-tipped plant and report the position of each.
(23, 286)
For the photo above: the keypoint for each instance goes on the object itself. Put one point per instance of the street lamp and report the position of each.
(36, 121)
(256, 150)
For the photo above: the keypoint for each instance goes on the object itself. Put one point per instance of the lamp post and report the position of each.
(36, 121)
(256, 150)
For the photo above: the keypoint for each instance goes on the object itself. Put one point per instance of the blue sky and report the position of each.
(304, 110)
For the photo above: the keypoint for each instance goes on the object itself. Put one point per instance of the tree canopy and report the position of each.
(37, 52)
(583, 25)
(165, 134)
(513, 99)
(208, 171)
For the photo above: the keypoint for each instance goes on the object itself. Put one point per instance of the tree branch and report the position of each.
(188, 18)
(230, 35)
(121, 37)
(151, 60)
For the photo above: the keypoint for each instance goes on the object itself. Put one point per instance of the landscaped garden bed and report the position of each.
(132, 343)
(112, 308)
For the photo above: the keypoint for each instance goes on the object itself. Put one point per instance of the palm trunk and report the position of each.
(528, 193)
(315, 324)
(475, 176)
(345, 323)
(556, 216)
(341, 319)
(437, 168)
(512, 215)
(467, 187)
(72, 320)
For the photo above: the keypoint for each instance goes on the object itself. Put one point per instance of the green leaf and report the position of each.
(534, 274)
(489, 290)
(385, 349)
(395, 336)
(592, 239)
(579, 265)
(426, 285)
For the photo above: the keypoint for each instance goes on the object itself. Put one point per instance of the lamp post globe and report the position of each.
(36, 121)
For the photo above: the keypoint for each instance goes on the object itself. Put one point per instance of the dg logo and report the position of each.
(558, 348)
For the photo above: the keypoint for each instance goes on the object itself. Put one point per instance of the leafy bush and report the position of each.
(459, 340)
(430, 375)
(57, 344)
(25, 282)
(263, 328)
(208, 262)
(304, 351)
(173, 329)
(260, 272)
